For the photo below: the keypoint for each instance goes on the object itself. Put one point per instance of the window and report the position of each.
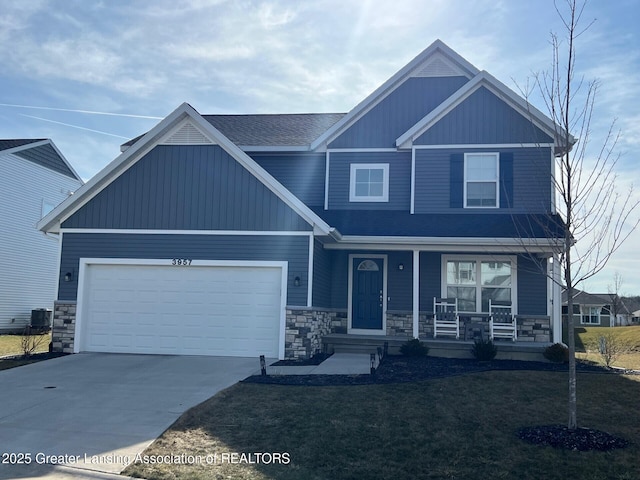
(46, 208)
(590, 315)
(473, 281)
(481, 175)
(369, 182)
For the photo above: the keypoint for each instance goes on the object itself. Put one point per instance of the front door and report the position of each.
(367, 294)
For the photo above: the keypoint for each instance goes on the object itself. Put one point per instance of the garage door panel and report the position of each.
(182, 310)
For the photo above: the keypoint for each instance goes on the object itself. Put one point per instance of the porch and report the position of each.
(445, 347)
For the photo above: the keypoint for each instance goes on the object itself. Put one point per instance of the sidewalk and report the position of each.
(336, 364)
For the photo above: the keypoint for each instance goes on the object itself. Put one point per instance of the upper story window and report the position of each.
(481, 175)
(46, 208)
(369, 182)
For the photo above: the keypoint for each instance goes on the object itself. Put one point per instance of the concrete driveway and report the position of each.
(94, 412)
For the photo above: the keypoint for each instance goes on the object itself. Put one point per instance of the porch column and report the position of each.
(416, 293)
(556, 314)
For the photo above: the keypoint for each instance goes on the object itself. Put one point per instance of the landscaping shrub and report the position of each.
(610, 347)
(556, 353)
(484, 350)
(414, 348)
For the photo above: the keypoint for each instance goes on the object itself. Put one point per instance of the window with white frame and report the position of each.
(590, 315)
(46, 207)
(369, 182)
(475, 280)
(481, 175)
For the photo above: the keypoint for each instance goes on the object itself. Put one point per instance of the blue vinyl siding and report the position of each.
(293, 249)
(483, 118)
(399, 180)
(321, 276)
(301, 173)
(399, 282)
(430, 279)
(191, 187)
(532, 286)
(339, 279)
(399, 111)
(46, 156)
(524, 174)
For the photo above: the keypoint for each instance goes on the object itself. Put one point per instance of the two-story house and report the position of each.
(265, 234)
(34, 178)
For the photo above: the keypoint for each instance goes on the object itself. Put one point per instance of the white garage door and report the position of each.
(195, 310)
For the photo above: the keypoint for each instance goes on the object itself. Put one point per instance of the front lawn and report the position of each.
(461, 427)
(12, 345)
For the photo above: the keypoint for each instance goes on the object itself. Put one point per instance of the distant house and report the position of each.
(597, 309)
(34, 178)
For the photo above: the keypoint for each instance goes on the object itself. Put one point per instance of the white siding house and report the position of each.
(34, 178)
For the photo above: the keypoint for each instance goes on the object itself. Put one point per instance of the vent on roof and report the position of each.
(437, 67)
(187, 134)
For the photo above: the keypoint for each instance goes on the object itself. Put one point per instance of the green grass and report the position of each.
(454, 428)
(12, 344)
(587, 341)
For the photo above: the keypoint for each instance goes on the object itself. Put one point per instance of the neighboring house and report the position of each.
(267, 234)
(597, 309)
(34, 178)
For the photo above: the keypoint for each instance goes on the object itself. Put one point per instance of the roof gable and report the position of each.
(497, 88)
(42, 152)
(184, 124)
(436, 60)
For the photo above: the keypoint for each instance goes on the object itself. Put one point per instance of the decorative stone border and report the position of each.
(64, 326)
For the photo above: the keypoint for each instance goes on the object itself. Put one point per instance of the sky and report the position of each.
(91, 74)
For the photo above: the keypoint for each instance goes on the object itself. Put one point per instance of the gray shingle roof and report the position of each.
(13, 143)
(296, 129)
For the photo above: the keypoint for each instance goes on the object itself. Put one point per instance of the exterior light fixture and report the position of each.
(401, 266)
(68, 276)
(296, 281)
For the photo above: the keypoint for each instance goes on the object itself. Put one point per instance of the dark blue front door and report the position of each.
(367, 295)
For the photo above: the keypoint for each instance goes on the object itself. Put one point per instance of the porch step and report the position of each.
(445, 347)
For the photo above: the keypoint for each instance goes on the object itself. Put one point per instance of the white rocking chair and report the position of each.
(445, 317)
(502, 322)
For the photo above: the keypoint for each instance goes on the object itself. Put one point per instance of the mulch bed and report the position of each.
(398, 369)
(580, 439)
(317, 359)
(19, 360)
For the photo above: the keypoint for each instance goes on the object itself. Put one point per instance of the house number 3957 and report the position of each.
(181, 261)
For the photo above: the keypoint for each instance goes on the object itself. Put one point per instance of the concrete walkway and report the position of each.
(336, 364)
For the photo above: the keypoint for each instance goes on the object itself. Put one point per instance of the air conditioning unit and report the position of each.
(41, 319)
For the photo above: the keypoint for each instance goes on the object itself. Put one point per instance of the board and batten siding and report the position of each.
(321, 276)
(189, 187)
(532, 285)
(29, 258)
(483, 118)
(531, 183)
(399, 180)
(301, 173)
(398, 112)
(293, 249)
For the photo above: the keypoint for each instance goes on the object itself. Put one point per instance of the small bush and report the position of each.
(610, 347)
(484, 350)
(414, 348)
(556, 353)
(31, 341)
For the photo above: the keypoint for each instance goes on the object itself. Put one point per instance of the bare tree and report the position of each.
(596, 217)
(616, 304)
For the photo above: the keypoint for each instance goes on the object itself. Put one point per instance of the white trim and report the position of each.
(310, 272)
(59, 263)
(130, 231)
(553, 183)
(495, 155)
(421, 242)
(481, 249)
(361, 150)
(326, 180)
(358, 331)
(416, 294)
(272, 148)
(557, 301)
(413, 181)
(478, 259)
(467, 146)
(353, 169)
(389, 86)
(85, 262)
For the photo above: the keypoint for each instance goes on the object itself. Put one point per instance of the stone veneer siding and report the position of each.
(399, 324)
(531, 328)
(306, 327)
(64, 326)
